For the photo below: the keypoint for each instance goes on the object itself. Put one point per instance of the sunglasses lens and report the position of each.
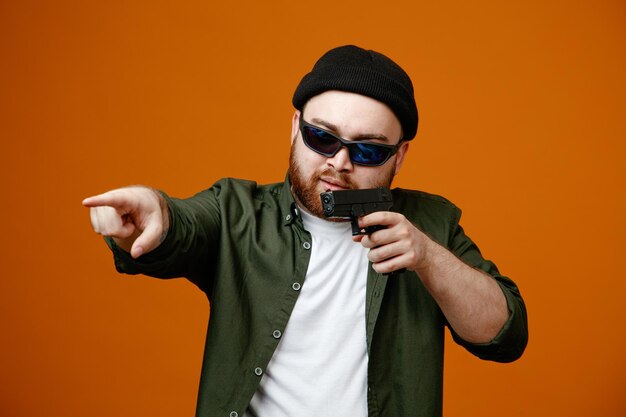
(321, 141)
(326, 144)
(368, 154)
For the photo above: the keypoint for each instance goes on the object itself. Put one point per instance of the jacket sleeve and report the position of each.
(512, 339)
(190, 247)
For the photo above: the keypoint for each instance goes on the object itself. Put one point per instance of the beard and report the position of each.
(308, 195)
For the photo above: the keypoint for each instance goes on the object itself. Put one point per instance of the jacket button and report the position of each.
(296, 286)
(258, 371)
(306, 245)
(277, 334)
(234, 414)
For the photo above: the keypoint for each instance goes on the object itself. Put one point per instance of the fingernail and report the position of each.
(137, 252)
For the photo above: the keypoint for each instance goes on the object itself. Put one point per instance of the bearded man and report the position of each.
(306, 319)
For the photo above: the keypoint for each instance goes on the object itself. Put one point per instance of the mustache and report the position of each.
(337, 176)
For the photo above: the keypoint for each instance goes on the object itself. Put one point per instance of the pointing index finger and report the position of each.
(114, 198)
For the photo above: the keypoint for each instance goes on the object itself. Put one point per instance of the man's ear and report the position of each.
(295, 126)
(404, 148)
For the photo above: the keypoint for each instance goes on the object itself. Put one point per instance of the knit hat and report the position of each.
(369, 73)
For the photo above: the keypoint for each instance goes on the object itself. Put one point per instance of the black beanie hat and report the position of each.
(369, 73)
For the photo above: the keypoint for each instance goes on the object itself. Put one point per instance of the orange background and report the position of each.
(522, 109)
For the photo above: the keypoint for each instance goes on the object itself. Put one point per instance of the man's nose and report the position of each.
(341, 161)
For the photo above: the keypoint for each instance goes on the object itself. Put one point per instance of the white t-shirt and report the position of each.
(320, 366)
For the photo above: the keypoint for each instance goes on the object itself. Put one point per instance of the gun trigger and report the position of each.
(356, 230)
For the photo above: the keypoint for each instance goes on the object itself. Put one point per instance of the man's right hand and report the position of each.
(137, 218)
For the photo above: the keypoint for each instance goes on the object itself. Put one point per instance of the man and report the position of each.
(305, 320)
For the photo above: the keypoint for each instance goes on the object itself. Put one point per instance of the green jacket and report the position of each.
(244, 245)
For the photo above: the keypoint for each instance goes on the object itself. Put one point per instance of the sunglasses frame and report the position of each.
(346, 143)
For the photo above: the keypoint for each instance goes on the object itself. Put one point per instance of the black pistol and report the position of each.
(353, 204)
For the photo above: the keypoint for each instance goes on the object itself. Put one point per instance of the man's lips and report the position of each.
(332, 184)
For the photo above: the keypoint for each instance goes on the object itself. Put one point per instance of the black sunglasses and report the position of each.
(328, 144)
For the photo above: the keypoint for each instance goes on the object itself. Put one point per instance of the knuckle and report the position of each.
(412, 257)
